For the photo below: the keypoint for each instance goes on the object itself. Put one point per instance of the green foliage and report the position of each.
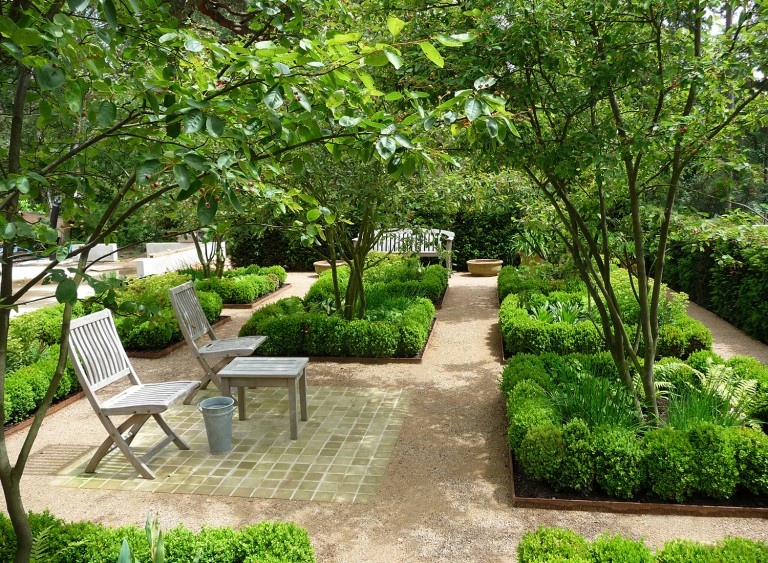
(578, 464)
(238, 289)
(701, 360)
(26, 387)
(86, 542)
(614, 549)
(751, 455)
(721, 262)
(527, 406)
(715, 469)
(542, 278)
(691, 406)
(597, 401)
(547, 545)
(542, 453)
(670, 464)
(619, 461)
(523, 367)
(270, 246)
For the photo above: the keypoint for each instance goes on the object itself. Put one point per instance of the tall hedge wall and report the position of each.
(722, 264)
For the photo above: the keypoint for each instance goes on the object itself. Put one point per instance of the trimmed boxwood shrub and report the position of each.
(751, 456)
(86, 542)
(619, 461)
(238, 289)
(715, 468)
(578, 464)
(26, 387)
(556, 544)
(552, 544)
(670, 464)
(541, 453)
(543, 278)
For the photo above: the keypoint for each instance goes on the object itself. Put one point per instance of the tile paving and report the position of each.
(340, 455)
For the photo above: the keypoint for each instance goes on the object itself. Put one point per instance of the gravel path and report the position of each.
(446, 492)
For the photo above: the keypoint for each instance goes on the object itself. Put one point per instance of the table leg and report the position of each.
(303, 395)
(241, 402)
(292, 409)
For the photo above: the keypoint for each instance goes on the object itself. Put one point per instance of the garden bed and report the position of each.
(258, 302)
(163, 352)
(9, 429)
(527, 493)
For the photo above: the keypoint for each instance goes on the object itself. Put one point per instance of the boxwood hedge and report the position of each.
(666, 463)
(557, 544)
(88, 542)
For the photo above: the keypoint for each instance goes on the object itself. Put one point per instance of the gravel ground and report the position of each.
(446, 492)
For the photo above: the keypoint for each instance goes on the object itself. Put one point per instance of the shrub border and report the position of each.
(625, 507)
(377, 361)
(156, 354)
(259, 301)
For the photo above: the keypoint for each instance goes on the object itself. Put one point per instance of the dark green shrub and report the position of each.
(260, 245)
(751, 452)
(211, 304)
(322, 289)
(527, 406)
(683, 337)
(541, 453)
(545, 544)
(241, 289)
(678, 373)
(542, 278)
(278, 271)
(715, 468)
(619, 461)
(578, 464)
(370, 339)
(615, 549)
(670, 464)
(154, 334)
(281, 308)
(285, 335)
(325, 335)
(219, 545)
(685, 551)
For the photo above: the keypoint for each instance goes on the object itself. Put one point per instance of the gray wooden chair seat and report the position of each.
(216, 353)
(100, 360)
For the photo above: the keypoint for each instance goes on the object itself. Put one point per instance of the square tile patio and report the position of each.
(340, 454)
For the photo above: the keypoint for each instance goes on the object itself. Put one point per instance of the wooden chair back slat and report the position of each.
(189, 313)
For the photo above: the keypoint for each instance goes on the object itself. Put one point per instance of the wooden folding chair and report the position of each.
(100, 360)
(217, 353)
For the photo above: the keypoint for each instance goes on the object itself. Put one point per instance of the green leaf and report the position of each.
(146, 171)
(301, 97)
(181, 173)
(173, 128)
(485, 82)
(206, 209)
(343, 38)
(110, 13)
(214, 125)
(376, 59)
(273, 99)
(313, 215)
(106, 113)
(10, 231)
(335, 99)
(403, 141)
(395, 25)
(74, 97)
(50, 77)
(473, 108)
(24, 37)
(386, 146)
(235, 201)
(348, 121)
(448, 41)
(493, 127)
(193, 45)
(66, 292)
(78, 5)
(196, 161)
(393, 96)
(432, 53)
(194, 121)
(394, 58)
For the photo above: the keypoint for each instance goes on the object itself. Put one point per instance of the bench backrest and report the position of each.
(420, 241)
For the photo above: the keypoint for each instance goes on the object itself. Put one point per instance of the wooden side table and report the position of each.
(268, 372)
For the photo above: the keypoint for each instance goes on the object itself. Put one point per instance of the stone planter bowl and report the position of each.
(323, 265)
(484, 267)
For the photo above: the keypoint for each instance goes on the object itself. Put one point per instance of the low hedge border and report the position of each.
(88, 542)
(522, 334)
(665, 463)
(293, 331)
(558, 544)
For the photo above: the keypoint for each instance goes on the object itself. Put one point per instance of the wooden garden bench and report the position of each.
(427, 243)
(216, 353)
(100, 360)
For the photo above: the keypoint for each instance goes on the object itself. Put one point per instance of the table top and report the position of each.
(264, 366)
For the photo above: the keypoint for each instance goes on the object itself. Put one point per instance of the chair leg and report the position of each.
(180, 443)
(116, 439)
